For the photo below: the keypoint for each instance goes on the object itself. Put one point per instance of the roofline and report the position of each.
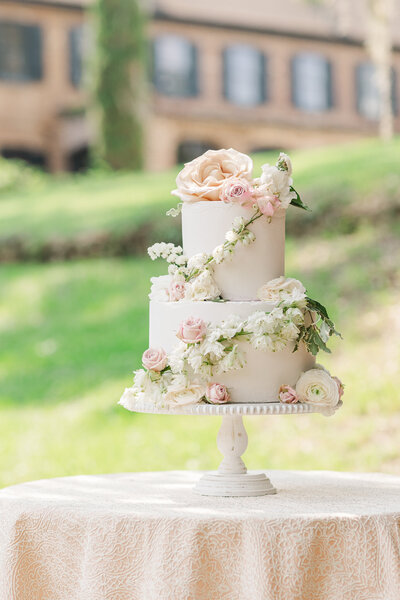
(63, 5)
(160, 15)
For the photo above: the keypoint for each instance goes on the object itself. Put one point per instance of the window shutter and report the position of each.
(75, 55)
(225, 72)
(264, 91)
(33, 51)
(193, 76)
(294, 81)
(359, 86)
(329, 85)
(395, 106)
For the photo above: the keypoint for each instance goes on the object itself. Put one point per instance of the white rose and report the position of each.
(280, 289)
(203, 177)
(202, 287)
(317, 387)
(184, 396)
(197, 261)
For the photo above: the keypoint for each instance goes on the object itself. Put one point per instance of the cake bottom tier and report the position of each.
(264, 372)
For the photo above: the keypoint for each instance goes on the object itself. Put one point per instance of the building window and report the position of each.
(368, 92)
(75, 53)
(20, 52)
(311, 82)
(190, 149)
(244, 75)
(175, 66)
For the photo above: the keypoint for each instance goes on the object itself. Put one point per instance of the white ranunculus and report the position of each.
(159, 288)
(203, 177)
(197, 261)
(184, 395)
(202, 287)
(317, 387)
(282, 288)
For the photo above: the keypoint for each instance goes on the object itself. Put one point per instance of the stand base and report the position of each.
(243, 484)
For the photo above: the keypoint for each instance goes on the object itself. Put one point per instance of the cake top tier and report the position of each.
(227, 176)
(233, 227)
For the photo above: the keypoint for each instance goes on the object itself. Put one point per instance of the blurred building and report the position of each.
(255, 75)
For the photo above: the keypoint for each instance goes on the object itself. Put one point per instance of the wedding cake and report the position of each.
(226, 325)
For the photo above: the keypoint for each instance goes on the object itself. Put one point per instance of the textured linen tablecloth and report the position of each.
(145, 536)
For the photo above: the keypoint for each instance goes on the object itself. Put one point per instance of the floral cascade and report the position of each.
(189, 373)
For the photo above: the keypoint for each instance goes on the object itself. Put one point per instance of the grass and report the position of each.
(70, 206)
(71, 333)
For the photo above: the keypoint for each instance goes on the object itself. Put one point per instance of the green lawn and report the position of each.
(70, 206)
(73, 332)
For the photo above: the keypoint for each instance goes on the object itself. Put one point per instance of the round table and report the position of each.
(145, 536)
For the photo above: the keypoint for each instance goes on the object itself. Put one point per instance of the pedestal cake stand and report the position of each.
(232, 478)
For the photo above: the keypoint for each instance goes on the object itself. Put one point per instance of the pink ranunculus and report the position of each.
(268, 205)
(155, 359)
(192, 330)
(340, 386)
(237, 190)
(176, 290)
(287, 395)
(216, 393)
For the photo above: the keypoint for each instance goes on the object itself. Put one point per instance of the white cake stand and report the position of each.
(232, 478)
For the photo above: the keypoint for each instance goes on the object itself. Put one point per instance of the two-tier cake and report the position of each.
(226, 325)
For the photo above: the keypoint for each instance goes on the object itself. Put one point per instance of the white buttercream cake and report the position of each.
(226, 325)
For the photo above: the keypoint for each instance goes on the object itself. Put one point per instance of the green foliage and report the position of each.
(15, 175)
(120, 82)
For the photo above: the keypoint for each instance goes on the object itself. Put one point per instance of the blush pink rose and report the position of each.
(216, 393)
(176, 290)
(340, 386)
(155, 359)
(268, 205)
(287, 395)
(237, 190)
(192, 330)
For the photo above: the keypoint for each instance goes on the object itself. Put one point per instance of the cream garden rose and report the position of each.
(204, 177)
(184, 395)
(317, 387)
(280, 289)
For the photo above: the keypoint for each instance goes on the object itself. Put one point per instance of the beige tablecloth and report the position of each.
(145, 536)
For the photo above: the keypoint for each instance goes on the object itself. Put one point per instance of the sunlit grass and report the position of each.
(69, 206)
(71, 334)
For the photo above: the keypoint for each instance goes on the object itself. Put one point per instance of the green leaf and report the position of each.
(298, 201)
